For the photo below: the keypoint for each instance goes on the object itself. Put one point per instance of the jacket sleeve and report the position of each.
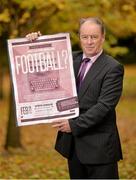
(109, 96)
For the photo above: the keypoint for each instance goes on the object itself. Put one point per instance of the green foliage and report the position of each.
(18, 18)
(4, 16)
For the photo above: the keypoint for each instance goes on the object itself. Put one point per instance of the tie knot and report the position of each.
(86, 60)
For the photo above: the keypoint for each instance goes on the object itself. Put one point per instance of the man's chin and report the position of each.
(90, 53)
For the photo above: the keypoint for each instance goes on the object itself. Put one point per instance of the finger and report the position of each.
(32, 36)
(56, 126)
(39, 33)
(57, 121)
(62, 129)
(54, 123)
(28, 36)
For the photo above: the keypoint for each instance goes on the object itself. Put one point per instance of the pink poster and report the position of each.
(43, 79)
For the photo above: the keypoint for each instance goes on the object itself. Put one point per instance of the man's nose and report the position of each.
(89, 40)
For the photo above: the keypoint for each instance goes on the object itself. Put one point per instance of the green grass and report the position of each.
(32, 164)
(39, 160)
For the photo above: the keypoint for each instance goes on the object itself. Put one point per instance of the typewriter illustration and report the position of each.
(43, 81)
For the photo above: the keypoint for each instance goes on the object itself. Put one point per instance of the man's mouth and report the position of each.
(89, 47)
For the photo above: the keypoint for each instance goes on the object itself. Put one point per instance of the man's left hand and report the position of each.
(62, 125)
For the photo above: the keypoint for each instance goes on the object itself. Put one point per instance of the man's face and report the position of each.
(91, 38)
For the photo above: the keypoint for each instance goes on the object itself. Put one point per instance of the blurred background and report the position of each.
(28, 152)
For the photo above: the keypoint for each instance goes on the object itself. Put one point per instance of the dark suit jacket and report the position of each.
(94, 132)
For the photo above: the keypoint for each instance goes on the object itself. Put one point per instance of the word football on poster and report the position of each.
(43, 79)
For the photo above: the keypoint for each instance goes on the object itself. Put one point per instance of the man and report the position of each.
(91, 141)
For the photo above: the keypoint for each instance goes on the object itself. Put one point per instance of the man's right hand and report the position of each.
(33, 36)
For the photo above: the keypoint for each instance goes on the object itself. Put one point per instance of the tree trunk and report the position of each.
(1, 83)
(13, 132)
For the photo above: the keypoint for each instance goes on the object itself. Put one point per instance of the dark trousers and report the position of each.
(77, 170)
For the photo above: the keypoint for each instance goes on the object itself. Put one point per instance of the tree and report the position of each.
(13, 132)
(15, 21)
(3, 64)
(1, 82)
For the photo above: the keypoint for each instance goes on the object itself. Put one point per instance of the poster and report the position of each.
(43, 79)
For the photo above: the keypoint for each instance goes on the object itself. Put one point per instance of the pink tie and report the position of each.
(82, 72)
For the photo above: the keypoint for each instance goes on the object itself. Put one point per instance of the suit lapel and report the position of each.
(94, 71)
(77, 62)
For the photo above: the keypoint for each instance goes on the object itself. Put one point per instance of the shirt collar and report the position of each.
(93, 58)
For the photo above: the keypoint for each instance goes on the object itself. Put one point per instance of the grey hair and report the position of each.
(95, 20)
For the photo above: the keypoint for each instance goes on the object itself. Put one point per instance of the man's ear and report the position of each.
(103, 38)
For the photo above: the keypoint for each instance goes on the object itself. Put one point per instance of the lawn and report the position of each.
(38, 159)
